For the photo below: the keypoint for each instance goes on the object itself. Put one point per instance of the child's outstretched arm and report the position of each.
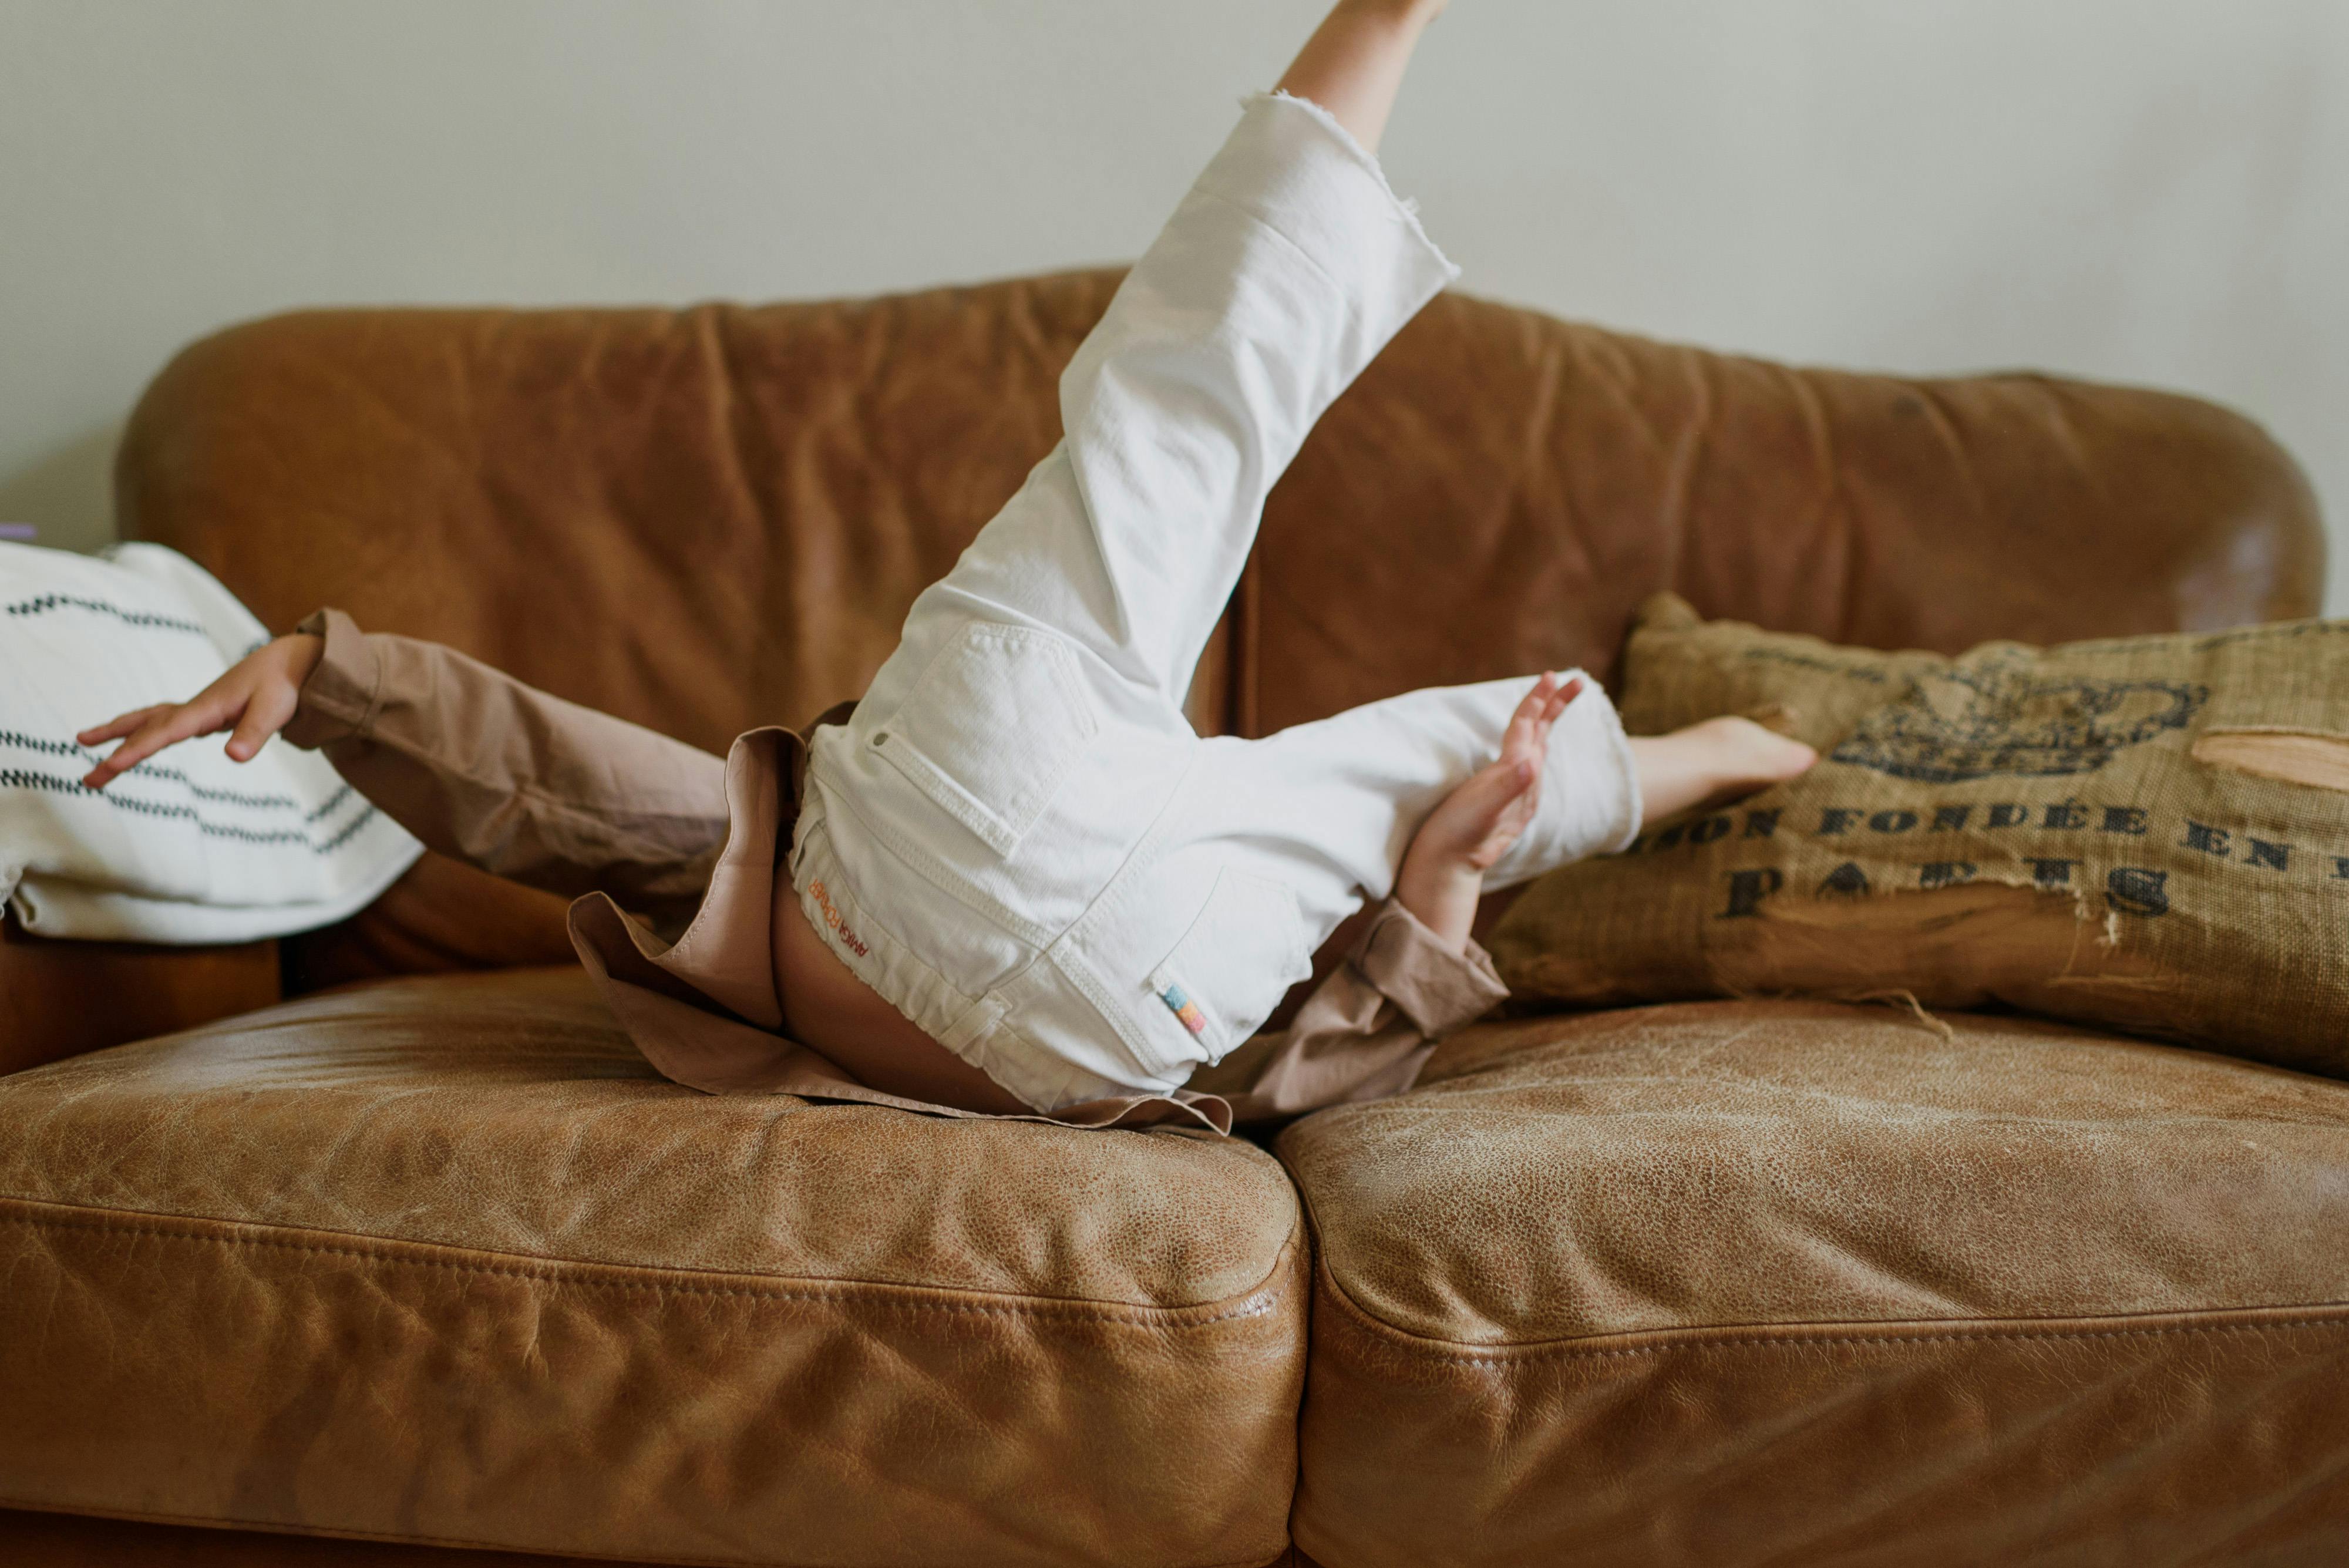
(1354, 61)
(472, 762)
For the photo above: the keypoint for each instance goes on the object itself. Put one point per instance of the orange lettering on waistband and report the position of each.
(832, 922)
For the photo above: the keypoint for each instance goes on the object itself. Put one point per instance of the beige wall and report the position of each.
(2146, 190)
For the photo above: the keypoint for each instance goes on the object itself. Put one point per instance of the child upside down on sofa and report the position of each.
(1016, 882)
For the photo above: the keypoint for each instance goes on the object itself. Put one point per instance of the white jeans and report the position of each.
(1018, 839)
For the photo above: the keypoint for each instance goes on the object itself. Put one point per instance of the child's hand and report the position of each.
(1444, 871)
(256, 696)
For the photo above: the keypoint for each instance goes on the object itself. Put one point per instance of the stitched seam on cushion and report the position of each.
(1732, 1336)
(1259, 1300)
(329, 1532)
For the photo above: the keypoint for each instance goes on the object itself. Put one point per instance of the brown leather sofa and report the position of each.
(422, 1253)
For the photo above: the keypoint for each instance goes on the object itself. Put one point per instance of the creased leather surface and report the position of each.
(2212, 1440)
(439, 1260)
(508, 1113)
(1778, 1162)
(1771, 1283)
(1499, 492)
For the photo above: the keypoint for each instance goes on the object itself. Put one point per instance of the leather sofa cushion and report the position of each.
(1748, 1283)
(440, 1259)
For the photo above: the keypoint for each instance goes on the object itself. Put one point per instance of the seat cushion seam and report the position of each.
(1713, 1337)
(1259, 1299)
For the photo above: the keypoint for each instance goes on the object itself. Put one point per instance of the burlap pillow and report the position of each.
(2149, 833)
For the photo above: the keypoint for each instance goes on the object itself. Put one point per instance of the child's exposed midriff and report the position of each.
(827, 1009)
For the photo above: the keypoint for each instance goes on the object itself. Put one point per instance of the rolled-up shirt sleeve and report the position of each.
(1366, 1031)
(1441, 988)
(523, 783)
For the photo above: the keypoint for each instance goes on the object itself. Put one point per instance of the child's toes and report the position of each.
(1788, 760)
(1750, 756)
(1766, 756)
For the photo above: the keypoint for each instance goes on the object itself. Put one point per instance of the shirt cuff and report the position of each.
(340, 699)
(1439, 989)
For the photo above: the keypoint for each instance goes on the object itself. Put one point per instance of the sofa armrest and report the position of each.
(62, 998)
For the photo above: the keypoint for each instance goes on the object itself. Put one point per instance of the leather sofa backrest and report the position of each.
(713, 518)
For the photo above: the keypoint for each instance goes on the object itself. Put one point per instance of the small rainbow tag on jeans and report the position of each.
(1185, 1009)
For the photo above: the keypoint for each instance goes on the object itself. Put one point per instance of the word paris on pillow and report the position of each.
(2150, 833)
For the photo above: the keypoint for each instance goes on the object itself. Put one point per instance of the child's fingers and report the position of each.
(1559, 699)
(119, 726)
(1497, 790)
(166, 727)
(1528, 730)
(1507, 815)
(144, 742)
(1527, 717)
(1536, 698)
(1469, 813)
(1562, 694)
(124, 757)
(265, 715)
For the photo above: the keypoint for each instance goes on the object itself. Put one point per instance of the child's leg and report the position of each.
(1339, 801)
(1720, 758)
(1335, 803)
(1278, 278)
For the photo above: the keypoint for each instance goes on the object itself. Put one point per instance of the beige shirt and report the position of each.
(559, 796)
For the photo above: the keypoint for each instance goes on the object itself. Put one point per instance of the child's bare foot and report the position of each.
(1712, 762)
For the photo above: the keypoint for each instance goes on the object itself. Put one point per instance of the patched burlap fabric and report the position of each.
(2148, 833)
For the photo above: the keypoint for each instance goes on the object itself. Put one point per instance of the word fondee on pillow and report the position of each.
(2150, 833)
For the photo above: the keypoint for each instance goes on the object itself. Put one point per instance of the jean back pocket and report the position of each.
(1235, 963)
(993, 729)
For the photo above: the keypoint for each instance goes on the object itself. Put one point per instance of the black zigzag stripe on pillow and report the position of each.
(42, 604)
(21, 778)
(152, 770)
